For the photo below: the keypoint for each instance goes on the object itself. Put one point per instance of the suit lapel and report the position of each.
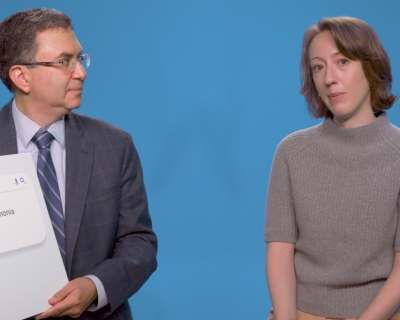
(78, 169)
(79, 160)
(8, 135)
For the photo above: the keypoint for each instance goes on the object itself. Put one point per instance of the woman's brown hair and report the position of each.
(356, 40)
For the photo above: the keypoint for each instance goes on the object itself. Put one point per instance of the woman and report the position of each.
(332, 208)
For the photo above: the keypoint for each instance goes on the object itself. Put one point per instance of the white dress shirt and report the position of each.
(26, 129)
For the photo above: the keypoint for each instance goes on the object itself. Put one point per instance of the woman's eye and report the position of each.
(316, 67)
(343, 61)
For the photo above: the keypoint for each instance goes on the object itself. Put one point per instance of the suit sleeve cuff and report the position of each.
(101, 294)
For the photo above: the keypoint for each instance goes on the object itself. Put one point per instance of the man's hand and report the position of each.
(72, 300)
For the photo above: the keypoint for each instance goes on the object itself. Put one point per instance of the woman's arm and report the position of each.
(282, 279)
(387, 300)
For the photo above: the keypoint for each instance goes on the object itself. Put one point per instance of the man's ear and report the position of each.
(20, 76)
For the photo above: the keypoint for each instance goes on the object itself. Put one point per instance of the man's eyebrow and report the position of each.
(68, 55)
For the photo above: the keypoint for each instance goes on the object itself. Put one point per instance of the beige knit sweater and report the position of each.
(334, 192)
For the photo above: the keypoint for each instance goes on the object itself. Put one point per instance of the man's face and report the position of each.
(53, 89)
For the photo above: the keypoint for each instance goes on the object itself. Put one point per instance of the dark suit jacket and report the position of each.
(107, 223)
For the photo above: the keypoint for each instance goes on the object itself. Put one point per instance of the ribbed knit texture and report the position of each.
(334, 192)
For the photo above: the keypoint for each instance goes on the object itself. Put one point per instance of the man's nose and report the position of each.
(79, 71)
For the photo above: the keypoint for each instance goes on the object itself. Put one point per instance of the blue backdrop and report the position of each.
(207, 89)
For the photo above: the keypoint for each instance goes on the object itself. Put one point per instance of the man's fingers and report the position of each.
(71, 300)
(69, 306)
(55, 311)
(60, 295)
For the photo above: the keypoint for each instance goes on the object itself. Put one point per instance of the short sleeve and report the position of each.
(397, 239)
(280, 221)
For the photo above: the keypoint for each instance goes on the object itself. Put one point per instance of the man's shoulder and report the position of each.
(94, 125)
(6, 109)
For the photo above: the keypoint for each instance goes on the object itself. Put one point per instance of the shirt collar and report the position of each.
(26, 128)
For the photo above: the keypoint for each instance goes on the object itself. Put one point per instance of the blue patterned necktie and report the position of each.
(48, 182)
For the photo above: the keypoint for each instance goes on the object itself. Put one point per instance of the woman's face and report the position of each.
(340, 82)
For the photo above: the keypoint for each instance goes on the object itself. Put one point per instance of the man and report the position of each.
(104, 230)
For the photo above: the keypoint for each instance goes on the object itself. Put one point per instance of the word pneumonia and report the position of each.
(9, 212)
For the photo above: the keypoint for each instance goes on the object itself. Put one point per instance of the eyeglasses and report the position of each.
(66, 64)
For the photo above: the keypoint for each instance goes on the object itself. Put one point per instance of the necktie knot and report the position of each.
(43, 139)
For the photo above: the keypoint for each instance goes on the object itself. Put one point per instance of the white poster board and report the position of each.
(31, 268)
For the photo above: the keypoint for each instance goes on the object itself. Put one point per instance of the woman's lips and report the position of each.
(336, 95)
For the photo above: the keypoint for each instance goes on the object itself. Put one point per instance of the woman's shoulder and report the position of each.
(391, 136)
(301, 139)
(393, 129)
